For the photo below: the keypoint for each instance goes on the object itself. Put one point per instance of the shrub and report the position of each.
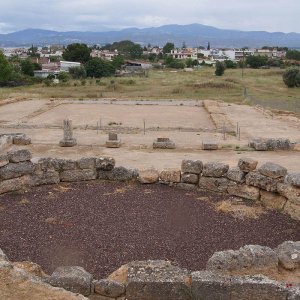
(77, 72)
(63, 76)
(291, 77)
(220, 68)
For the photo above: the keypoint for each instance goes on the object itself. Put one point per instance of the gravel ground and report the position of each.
(102, 225)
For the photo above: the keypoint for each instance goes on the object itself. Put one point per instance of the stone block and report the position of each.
(289, 255)
(14, 184)
(86, 163)
(235, 174)
(3, 160)
(248, 257)
(113, 144)
(73, 279)
(247, 164)
(163, 143)
(261, 181)
(19, 156)
(272, 200)
(68, 143)
(215, 184)
(272, 170)
(105, 163)
(186, 186)
(215, 169)
(148, 176)
(109, 288)
(210, 145)
(157, 280)
(14, 170)
(293, 179)
(290, 192)
(118, 174)
(190, 178)
(21, 140)
(78, 175)
(191, 166)
(293, 210)
(170, 175)
(44, 177)
(244, 191)
(112, 136)
(66, 164)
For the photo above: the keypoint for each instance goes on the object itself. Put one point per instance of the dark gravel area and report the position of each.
(102, 225)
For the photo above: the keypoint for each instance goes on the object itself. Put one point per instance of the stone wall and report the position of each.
(160, 280)
(271, 184)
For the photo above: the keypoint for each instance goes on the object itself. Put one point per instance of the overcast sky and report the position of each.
(98, 15)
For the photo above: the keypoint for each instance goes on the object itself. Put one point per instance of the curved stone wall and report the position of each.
(270, 183)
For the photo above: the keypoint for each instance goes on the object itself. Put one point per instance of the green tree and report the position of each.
(127, 48)
(173, 63)
(77, 52)
(63, 76)
(117, 62)
(220, 68)
(291, 77)
(229, 64)
(256, 62)
(77, 72)
(6, 70)
(27, 67)
(98, 68)
(293, 54)
(168, 47)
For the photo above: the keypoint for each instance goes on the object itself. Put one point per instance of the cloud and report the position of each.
(97, 15)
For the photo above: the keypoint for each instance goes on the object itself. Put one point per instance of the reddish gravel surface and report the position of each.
(102, 225)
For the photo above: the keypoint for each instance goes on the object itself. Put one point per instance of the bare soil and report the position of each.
(102, 225)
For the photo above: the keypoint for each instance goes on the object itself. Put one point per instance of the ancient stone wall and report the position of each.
(271, 184)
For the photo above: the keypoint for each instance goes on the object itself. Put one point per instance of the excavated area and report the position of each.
(102, 225)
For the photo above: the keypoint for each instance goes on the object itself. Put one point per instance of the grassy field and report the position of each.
(263, 87)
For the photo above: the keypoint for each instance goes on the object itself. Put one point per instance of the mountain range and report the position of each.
(192, 35)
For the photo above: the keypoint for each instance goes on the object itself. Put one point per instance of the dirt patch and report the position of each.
(103, 225)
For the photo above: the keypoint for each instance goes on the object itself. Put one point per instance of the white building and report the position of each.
(65, 65)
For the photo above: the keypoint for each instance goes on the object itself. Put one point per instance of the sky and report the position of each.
(102, 15)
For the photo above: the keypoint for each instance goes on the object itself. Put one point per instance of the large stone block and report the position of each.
(21, 140)
(86, 163)
(14, 170)
(3, 160)
(292, 193)
(105, 163)
(244, 191)
(272, 170)
(215, 169)
(293, 210)
(44, 177)
(247, 164)
(210, 145)
(109, 288)
(78, 175)
(247, 257)
(19, 156)
(118, 174)
(163, 143)
(189, 178)
(157, 280)
(191, 166)
(170, 175)
(289, 255)
(73, 279)
(148, 176)
(235, 174)
(14, 184)
(217, 184)
(272, 200)
(211, 286)
(293, 179)
(66, 164)
(261, 181)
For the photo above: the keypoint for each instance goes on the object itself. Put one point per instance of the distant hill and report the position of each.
(192, 35)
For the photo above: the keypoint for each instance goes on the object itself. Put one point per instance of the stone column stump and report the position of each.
(68, 140)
